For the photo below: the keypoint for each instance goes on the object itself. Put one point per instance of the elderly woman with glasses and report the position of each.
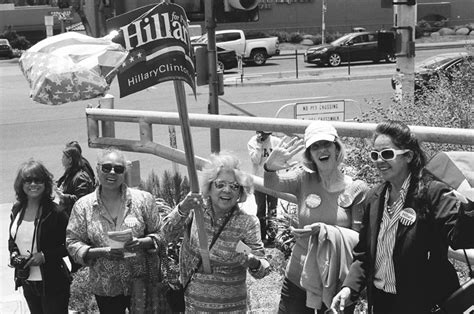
(237, 245)
(112, 230)
(329, 207)
(409, 221)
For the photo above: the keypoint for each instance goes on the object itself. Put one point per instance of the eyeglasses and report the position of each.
(30, 180)
(387, 154)
(107, 168)
(220, 184)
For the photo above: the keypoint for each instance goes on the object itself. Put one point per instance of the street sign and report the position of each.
(331, 110)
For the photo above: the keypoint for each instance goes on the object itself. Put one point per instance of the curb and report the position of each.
(229, 82)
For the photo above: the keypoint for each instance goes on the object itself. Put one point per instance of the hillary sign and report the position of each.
(159, 49)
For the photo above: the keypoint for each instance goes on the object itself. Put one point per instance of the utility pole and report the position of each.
(323, 22)
(404, 23)
(213, 79)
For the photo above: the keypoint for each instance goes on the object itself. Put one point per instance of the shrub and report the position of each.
(295, 38)
(16, 41)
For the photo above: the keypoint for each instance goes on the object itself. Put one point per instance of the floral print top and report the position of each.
(88, 227)
(224, 290)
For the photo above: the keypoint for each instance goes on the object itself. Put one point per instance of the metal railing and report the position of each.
(101, 133)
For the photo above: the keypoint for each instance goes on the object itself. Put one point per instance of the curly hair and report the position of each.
(225, 161)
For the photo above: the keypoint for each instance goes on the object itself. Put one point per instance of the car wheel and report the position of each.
(220, 66)
(391, 58)
(334, 60)
(258, 57)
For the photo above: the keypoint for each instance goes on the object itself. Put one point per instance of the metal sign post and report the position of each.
(192, 173)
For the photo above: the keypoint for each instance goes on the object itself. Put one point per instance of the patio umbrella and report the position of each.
(71, 67)
(456, 169)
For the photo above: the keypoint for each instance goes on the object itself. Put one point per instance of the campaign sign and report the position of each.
(159, 48)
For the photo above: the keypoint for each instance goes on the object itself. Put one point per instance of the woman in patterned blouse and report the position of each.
(224, 289)
(114, 207)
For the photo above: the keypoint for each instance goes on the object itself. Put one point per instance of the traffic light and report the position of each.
(232, 11)
(225, 11)
(387, 42)
(63, 4)
(202, 65)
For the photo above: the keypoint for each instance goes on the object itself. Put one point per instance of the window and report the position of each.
(227, 37)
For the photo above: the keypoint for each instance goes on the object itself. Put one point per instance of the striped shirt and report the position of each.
(384, 267)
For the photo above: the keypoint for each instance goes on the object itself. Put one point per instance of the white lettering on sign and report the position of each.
(158, 26)
(324, 110)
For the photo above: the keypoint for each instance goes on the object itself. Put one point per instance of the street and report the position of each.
(30, 129)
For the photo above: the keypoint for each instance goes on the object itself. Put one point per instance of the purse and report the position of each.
(174, 296)
(461, 300)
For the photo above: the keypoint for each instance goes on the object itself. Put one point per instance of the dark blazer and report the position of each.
(50, 239)
(424, 276)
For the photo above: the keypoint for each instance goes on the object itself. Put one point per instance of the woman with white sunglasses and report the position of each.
(408, 224)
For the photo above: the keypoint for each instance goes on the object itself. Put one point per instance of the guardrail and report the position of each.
(101, 133)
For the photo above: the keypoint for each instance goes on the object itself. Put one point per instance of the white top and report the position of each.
(24, 236)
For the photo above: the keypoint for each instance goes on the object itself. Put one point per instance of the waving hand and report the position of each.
(280, 156)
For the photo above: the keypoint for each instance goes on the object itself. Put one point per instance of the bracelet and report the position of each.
(266, 169)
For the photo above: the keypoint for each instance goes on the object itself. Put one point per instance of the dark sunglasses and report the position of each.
(30, 180)
(387, 154)
(320, 144)
(220, 184)
(107, 168)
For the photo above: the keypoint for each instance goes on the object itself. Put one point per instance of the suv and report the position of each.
(5, 48)
(358, 46)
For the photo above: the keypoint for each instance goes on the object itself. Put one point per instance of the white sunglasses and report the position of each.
(387, 154)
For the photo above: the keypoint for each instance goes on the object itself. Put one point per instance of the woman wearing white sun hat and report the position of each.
(327, 200)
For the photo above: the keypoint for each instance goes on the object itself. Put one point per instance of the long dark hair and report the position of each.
(33, 169)
(76, 159)
(403, 138)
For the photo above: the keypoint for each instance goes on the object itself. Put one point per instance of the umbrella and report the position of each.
(71, 67)
(456, 169)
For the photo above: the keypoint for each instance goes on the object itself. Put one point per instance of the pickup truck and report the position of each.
(252, 50)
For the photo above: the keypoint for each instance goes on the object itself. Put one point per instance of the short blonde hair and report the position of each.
(225, 161)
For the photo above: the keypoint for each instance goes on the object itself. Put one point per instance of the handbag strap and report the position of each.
(214, 239)
(471, 272)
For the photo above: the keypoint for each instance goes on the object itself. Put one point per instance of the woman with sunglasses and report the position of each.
(329, 204)
(36, 243)
(237, 246)
(409, 222)
(116, 263)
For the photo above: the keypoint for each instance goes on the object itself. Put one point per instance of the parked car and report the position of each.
(444, 64)
(5, 48)
(226, 59)
(358, 46)
(253, 50)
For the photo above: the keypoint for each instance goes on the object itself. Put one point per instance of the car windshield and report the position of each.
(341, 40)
(4, 42)
(436, 61)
